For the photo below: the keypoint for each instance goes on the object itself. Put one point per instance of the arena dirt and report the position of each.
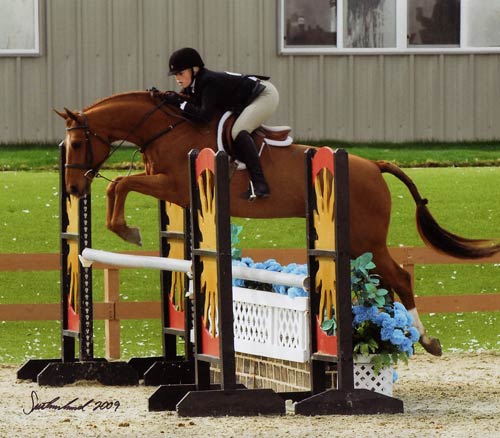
(457, 395)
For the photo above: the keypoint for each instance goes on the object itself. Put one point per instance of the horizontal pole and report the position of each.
(270, 277)
(90, 255)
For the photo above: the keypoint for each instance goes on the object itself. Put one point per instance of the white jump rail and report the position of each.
(90, 256)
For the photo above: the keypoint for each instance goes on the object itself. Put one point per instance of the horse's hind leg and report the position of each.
(396, 279)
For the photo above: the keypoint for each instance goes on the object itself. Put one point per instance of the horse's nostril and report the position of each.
(73, 190)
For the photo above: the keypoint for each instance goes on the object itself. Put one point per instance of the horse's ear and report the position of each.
(61, 114)
(72, 115)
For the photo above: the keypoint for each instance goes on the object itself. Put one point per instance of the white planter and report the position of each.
(365, 377)
(270, 324)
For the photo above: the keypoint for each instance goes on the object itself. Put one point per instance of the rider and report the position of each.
(252, 98)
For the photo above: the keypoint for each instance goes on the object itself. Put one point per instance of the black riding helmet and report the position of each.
(184, 58)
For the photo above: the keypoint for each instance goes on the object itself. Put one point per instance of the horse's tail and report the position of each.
(432, 233)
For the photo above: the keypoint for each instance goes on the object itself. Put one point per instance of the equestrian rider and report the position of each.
(252, 98)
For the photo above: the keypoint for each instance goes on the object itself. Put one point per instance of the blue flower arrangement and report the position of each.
(381, 328)
(272, 265)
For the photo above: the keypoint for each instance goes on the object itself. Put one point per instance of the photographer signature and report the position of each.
(73, 405)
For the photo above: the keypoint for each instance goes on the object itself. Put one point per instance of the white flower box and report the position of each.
(365, 377)
(270, 324)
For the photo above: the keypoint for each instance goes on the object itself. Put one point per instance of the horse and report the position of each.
(165, 137)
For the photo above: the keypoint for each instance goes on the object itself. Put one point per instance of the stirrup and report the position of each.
(251, 194)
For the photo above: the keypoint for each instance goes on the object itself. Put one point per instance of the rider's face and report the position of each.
(184, 78)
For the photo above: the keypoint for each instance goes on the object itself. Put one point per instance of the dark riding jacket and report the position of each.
(213, 92)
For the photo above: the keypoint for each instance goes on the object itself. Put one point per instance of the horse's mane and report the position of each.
(118, 96)
(137, 96)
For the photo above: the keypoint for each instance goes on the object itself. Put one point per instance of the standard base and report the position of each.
(106, 373)
(354, 402)
(30, 369)
(216, 402)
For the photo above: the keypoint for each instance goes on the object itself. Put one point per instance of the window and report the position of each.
(310, 23)
(388, 26)
(370, 23)
(19, 28)
(434, 22)
(483, 23)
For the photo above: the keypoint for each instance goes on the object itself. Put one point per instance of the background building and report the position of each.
(353, 70)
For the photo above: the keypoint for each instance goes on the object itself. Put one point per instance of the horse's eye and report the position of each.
(76, 144)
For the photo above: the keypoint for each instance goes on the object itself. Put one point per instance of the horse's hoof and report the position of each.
(431, 345)
(133, 235)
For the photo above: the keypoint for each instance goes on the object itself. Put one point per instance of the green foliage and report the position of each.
(365, 286)
(235, 241)
(329, 326)
(380, 327)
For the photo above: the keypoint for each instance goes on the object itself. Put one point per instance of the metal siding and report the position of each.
(217, 38)
(248, 26)
(96, 81)
(367, 99)
(307, 91)
(398, 98)
(8, 103)
(337, 97)
(487, 97)
(156, 36)
(34, 100)
(93, 48)
(458, 98)
(125, 56)
(428, 111)
(62, 56)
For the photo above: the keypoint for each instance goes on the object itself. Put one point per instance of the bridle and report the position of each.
(92, 171)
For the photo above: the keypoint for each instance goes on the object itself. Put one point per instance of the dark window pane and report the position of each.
(370, 23)
(433, 22)
(310, 22)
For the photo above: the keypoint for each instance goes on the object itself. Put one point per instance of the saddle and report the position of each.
(277, 136)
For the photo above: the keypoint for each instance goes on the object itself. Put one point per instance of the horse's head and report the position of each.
(86, 151)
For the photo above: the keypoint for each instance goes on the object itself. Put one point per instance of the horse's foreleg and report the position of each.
(152, 185)
(110, 201)
(396, 278)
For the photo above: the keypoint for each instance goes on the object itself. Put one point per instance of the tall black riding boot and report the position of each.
(245, 150)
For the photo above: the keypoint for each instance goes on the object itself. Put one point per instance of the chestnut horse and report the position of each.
(165, 138)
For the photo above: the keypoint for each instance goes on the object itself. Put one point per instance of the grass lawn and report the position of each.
(463, 199)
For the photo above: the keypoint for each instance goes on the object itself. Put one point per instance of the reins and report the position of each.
(93, 171)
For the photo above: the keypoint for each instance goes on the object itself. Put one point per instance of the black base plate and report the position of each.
(106, 373)
(354, 402)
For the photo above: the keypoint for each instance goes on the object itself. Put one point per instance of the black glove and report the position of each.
(172, 99)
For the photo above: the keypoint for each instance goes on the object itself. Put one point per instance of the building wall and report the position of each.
(94, 48)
